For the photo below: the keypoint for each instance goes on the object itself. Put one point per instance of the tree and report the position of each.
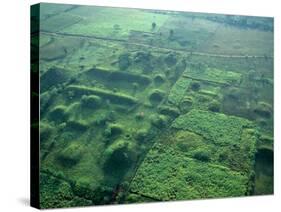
(153, 25)
(171, 32)
(124, 61)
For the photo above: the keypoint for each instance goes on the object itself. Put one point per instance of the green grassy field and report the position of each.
(143, 105)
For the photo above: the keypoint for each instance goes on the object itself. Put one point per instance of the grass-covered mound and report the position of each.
(118, 98)
(118, 76)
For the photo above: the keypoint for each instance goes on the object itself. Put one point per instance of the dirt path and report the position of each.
(153, 47)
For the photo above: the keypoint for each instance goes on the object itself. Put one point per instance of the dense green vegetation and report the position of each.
(144, 105)
(175, 176)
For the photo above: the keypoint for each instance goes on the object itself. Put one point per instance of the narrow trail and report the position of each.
(153, 47)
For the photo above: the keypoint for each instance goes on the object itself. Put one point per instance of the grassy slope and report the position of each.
(104, 21)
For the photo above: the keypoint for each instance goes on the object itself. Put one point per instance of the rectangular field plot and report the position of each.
(214, 75)
(59, 22)
(167, 174)
(199, 160)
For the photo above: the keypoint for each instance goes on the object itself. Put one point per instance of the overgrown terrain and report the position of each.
(143, 105)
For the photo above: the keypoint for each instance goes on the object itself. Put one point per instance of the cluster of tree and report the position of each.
(124, 61)
(244, 21)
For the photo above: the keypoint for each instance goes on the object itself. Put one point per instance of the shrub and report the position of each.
(103, 195)
(203, 98)
(53, 77)
(233, 94)
(169, 111)
(186, 104)
(142, 134)
(159, 121)
(214, 106)
(99, 194)
(144, 60)
(170, 59)
(58, 114)
(156, 96)
(45, 100)
(124, 61)
(118, 158)
(54, 192)
(91, 101)
(171, 33)
(116, 27)
(180, 67)
(140, 115)
(71, 155)
(202, 155)
(81, 202)
(263, 109)
(142, 57)
(135, 87)
(159, 79)
(153, 25)
(45, 132)
(76, 126)
(83, 189)
(100, 120)
(195, 86)
(116, 129)
(121, 196)
(113, 130)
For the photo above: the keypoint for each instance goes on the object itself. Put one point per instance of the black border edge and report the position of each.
(34, 110)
